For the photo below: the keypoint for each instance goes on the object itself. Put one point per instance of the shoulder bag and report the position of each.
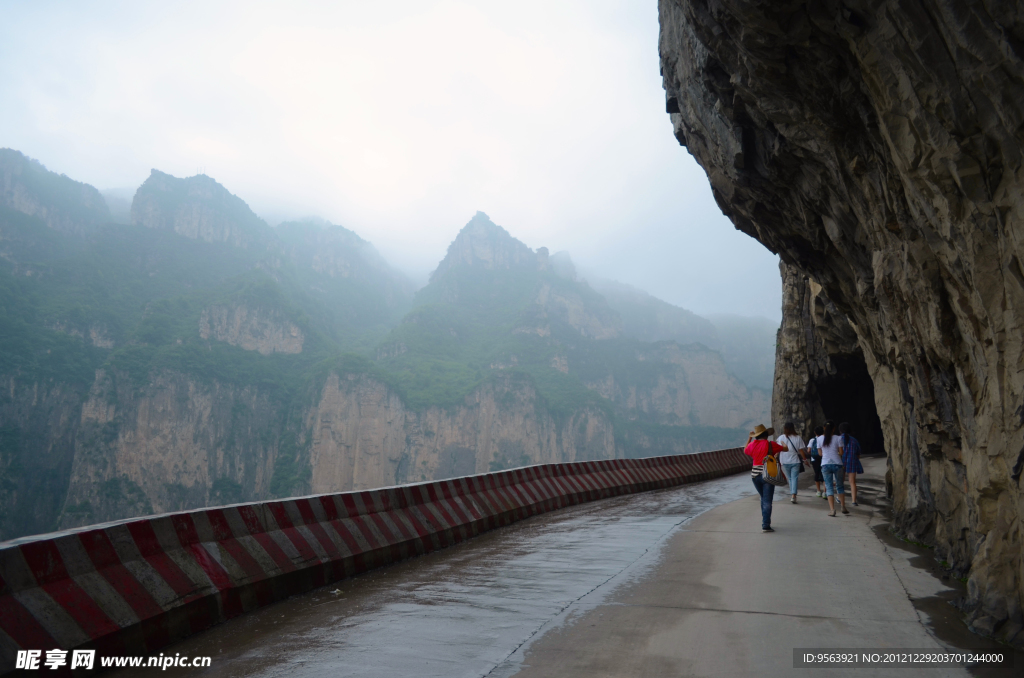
(799, 458)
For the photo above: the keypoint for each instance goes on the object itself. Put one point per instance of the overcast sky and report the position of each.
(398, 120)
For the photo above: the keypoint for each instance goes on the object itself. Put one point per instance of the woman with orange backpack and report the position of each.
(758, 447)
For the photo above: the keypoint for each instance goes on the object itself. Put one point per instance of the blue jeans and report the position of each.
(833, 479)
(791, 471)
(767, 492)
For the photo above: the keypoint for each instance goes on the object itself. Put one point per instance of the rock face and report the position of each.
(180, 442)
(197, 207)
(63, 204)
(176, 443)
(821, 373)
(876, 147)
(254, 329)
(364, 437)
(38, 422)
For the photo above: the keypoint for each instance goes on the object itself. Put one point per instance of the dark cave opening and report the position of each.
(849, 395)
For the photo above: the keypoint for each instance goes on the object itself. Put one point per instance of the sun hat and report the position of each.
(760, 430)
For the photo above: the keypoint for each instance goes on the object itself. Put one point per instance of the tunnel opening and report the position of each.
(849, 395)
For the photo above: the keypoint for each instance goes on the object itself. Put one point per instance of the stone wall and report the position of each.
(877, 147)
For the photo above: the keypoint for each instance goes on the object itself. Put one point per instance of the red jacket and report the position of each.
(758, 450)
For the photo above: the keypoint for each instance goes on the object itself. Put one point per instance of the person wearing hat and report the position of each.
(758, 447)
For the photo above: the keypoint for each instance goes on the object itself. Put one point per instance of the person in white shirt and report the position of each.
(791, 458)
(831, 451)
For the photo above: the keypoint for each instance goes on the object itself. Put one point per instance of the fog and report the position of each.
(398, 120)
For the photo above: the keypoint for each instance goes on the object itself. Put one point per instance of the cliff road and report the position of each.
(876, 146)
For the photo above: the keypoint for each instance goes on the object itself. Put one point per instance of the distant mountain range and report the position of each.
(177, 351)
(747, 344)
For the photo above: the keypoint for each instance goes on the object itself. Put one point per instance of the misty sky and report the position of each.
(398, 120)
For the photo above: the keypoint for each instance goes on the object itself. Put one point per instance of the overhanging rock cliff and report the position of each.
(877, 147)
(820, 371)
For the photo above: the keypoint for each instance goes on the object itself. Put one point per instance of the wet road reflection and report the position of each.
(470, 610)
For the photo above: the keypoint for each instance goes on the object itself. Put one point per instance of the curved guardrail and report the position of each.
(134, 586)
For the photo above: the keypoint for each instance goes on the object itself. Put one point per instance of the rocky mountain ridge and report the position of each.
(198, 208)
(63, 204)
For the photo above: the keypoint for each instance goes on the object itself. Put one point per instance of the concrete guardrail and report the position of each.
(134, 586)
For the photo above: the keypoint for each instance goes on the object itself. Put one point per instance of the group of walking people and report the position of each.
(831, 454)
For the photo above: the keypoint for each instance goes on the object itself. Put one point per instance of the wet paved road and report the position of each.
(470, 610)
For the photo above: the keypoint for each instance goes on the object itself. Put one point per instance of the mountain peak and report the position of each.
(197, 207)
(483, 244)
(63, 204)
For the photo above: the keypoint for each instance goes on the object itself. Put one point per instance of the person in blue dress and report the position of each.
(851, 458)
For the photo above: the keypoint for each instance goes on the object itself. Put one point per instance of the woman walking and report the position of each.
(832, 466)
(791, 459)
(815, 454)
(851, 458)
(758, 447)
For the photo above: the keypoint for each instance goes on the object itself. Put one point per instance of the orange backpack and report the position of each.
(771, 472)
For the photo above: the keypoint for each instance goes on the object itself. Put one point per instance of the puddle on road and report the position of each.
(462, 611)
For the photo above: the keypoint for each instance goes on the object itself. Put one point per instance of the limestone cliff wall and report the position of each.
(876, 146)
(176, 443)
(38, 422)
(179, 442)
(363, 436)
(252, 328)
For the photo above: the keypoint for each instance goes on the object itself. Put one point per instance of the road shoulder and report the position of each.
(727, 600)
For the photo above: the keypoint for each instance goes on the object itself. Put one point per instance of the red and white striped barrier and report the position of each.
(134, 586)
